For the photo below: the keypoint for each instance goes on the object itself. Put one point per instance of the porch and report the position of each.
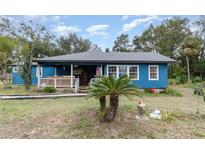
(67, 76)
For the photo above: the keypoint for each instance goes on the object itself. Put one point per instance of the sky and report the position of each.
(100, 30)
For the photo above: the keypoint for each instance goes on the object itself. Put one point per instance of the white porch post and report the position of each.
(71, 74)
(55, 71)
(101, 69)
(39, 80)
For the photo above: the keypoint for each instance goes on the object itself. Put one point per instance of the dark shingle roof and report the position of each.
(111, 57)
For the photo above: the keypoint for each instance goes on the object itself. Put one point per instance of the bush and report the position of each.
(172, 81)
(181, 79)
(49, 90)
(198, 90)
(146, 90)
(168, 116)
(172, 92)
(196, 79)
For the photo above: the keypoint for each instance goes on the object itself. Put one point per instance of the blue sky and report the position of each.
(101, 30)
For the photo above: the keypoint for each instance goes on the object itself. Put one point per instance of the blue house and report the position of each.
(145, 69)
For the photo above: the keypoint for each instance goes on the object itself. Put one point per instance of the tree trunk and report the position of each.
(114, 99)
(27, 85)
(188, 69)
(102, 103)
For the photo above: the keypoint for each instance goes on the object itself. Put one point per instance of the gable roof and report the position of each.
(95, 56)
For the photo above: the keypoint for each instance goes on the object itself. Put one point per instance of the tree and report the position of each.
(107, 50)
(7, 45)
(201, 33)
(121, 44)
(165, 38)
(198, 68)
(32, 40)
(145, 42)
(191, 46)
(113, 88)
(73, 44)
(44, 41)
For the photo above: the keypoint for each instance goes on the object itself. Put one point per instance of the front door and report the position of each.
(84, 78)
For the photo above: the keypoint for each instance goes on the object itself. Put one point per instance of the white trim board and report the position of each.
(157, 71)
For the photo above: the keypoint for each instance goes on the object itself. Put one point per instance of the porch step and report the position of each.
(83, 89)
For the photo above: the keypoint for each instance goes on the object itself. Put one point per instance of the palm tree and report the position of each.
(114, 88)
(190, 47)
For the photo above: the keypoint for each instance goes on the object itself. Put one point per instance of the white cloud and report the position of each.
(136, 22)
(194, 28)
(62, 29)
(42, 18)
(99, 30)
(56, 18)
(125, 17)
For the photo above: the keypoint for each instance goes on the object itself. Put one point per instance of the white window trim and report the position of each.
(117, 69)
(41, 69)
(128, 70)
(157, 72)
(14, 69)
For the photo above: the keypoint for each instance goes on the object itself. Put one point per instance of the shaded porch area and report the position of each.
(67, 76)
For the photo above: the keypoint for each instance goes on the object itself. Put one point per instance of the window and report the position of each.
(134, 72)
(122, 70)
(41, 71)
(153, 72)
(15, 69)
(119, 70)
(112, 71)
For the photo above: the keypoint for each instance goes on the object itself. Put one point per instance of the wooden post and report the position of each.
(39, 79)
(71, 73)
(55, 82)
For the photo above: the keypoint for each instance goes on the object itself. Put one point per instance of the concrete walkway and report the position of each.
(42, 96)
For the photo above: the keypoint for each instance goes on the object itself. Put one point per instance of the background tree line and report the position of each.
(24, 42)
(172, 38)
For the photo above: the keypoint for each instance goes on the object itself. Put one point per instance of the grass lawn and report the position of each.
(20, 90)
(76, 118)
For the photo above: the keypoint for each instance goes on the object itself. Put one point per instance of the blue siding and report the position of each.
(47, 71)
(144, 81)
(62, 70)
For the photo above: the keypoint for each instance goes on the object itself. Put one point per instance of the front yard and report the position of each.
(76, 118)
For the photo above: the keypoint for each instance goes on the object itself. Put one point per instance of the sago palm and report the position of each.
(114, 88)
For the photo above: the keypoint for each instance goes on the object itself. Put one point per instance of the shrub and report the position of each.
(172, 82)
(198, 90)
(196, 79)
(49, 90)
(181, 79)
(146, 90)
(168, 116)
(172, 92)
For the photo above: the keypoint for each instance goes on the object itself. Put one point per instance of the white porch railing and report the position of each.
(93, 80)
(60, 82)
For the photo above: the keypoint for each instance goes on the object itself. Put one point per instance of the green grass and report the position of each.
(20, 90)
(77, 118)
